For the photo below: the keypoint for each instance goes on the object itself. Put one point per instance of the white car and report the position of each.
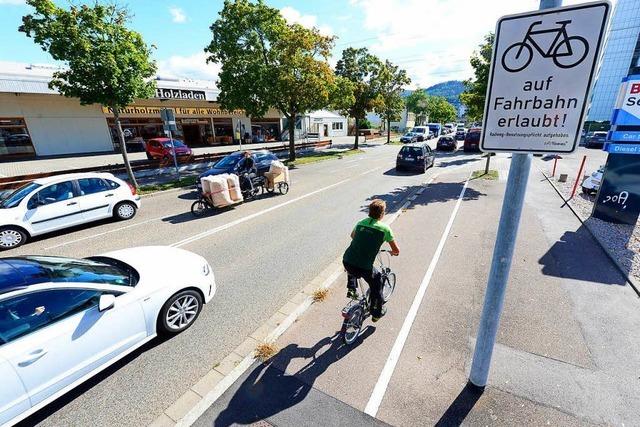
(591, 184)
(53, 203)
(64, 320)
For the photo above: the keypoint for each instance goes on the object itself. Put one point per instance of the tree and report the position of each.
(391, 81)
(361, 69)
(106, 63)
(476, 88)
(440, 110)
(418, 103)
(267, 63)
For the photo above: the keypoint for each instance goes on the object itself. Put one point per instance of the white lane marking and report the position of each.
(341, 169)
(406, 204)
(252, 216)
(385, 376)
(93, 236)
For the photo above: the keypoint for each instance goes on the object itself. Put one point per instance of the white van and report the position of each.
(422, 132)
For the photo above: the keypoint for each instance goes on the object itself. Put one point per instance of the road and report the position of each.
(262, 253)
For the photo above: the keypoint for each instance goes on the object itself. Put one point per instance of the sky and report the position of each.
(431, 39)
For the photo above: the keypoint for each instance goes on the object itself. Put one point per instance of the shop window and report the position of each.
(14, 138)
(337, 126)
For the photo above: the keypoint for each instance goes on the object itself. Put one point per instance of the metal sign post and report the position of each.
(169, 120)
(535, 103)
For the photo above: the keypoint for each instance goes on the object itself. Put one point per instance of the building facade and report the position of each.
(36, 121)
(621, 57)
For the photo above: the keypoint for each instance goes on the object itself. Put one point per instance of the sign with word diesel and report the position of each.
(541, 73)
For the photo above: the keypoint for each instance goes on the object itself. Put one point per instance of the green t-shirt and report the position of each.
(369, 235)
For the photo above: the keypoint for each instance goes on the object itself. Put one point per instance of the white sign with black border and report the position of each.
(542, 68)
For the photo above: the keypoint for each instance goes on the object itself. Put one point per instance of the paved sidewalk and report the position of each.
(25, 167)
(567, 351)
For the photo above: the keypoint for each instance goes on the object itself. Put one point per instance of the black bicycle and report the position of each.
(565, 51)
(357, 311)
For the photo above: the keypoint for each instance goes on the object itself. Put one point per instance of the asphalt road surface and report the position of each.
(262, 253)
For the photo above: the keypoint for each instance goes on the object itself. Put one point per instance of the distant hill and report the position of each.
(451, 90)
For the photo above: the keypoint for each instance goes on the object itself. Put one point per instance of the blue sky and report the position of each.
(432, 39)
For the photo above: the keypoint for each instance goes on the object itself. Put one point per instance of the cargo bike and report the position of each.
(220, 191)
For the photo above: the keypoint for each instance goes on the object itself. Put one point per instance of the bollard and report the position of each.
(563, 177)
(575, 184)
(555, 163)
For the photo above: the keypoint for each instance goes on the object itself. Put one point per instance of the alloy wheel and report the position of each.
(182, 312)
(125, 210)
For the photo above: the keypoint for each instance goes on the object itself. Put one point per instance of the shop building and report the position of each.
(37, 121)
(326, 124)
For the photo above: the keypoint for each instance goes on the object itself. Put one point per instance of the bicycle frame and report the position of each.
(561, 32)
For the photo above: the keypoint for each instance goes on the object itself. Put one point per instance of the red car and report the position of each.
(472, 140)
(160, 148)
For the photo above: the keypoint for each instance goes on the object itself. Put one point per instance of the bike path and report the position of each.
(312, 355)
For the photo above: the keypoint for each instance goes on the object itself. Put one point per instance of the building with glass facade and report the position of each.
(621, 58)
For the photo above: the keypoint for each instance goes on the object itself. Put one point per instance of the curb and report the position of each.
(195, 401)
(632, 282)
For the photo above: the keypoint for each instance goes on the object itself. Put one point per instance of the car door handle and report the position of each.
(33, 357)
(109, 195)
(72, 203)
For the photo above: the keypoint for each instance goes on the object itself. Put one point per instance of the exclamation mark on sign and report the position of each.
(564, 120)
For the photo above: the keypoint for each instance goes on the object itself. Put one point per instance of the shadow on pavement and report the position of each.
(269, 390)
(461, 406)
(69, 397)
(458, 162)
(573, 256)
(436, 192)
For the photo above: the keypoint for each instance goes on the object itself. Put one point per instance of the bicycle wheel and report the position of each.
(283, 187)
(388, 285)
(517, 57)
(575, 51)
(352, 325)
(199, 207)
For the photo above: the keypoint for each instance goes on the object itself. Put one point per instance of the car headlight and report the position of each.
(206, 270)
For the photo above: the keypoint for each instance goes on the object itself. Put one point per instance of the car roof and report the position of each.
(414, 144)
(67, 176)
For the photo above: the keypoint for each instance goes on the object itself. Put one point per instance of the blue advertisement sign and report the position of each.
(627, 112)
(622, 148)
(624, 136)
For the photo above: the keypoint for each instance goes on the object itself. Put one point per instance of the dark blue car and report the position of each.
(231, 163)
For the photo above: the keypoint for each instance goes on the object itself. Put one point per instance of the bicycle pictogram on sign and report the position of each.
(565, 51)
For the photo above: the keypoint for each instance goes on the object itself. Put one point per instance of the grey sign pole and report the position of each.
(502, 256)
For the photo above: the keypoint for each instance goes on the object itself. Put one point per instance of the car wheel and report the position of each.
(179, 312)
(124, 210)
(12, 237)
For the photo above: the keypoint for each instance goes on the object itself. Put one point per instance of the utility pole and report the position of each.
(502, 257)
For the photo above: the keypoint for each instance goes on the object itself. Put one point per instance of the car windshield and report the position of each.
(31, 270)
(418, 130)
(411, 151)
(16, 197)
(434, 127)
(600, 134)
(176, 143)
(228, 161)
(473, 136)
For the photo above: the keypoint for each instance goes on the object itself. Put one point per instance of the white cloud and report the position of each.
(177, 15)
(292, 15)
(433, 39)
(190, 67)
(12, 2)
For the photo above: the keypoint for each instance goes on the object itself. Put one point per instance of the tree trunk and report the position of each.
(355, 145)
(292, 137)
(388, 131)
(123, 147)
(486, 167)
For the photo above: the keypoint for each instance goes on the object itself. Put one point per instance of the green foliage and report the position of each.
(106, 63)
(361, 69)
(391, 80)
(365, 124)
(440, 110)
(450, 90)
(476, 88)
(267, 63)
(418, 103)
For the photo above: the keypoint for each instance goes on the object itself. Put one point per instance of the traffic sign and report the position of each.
(542, 68)
(169, 119)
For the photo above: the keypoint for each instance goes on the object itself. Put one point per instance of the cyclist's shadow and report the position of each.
(269, 390)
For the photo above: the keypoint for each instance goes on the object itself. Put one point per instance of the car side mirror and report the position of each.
(107, 301)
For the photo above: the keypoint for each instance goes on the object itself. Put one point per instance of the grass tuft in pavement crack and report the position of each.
(319, 156)
(266, 351)
(492, 175)
(320, 295)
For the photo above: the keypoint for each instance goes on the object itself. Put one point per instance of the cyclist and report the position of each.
(247, 171)
(366, 239)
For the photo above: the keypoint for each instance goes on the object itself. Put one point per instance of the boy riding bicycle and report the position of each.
(366, 239)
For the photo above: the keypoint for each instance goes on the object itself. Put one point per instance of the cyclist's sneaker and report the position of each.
(352, 293)
(382, 313)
